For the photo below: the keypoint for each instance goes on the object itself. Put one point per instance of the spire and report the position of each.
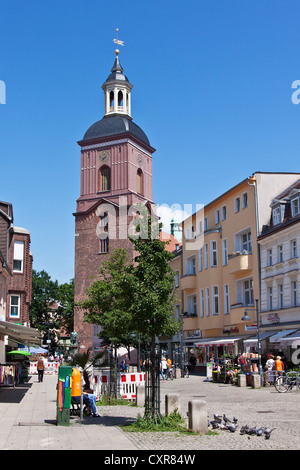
(117, 89)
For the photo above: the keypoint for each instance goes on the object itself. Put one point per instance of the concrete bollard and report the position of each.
(198, 416)
(172, 403)
(140, 395)
(241, 380)
(255, 381)
(178, 373)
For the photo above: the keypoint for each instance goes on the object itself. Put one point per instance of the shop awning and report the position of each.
(254, 339)
(220, 341)
(288, 341)
(21, 334)
(280, 335)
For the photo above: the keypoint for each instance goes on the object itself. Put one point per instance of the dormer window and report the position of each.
(277, 215)
(295, 206)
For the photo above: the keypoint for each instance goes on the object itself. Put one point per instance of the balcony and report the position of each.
(188, 282)
(240, 262)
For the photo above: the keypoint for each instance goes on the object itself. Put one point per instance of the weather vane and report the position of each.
(117, 41)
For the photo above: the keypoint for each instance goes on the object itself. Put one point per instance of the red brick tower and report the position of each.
(116, 172)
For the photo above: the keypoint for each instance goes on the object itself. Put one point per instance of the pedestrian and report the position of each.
(279, 367)
(270, 364)
(242, 361)
(40, 369)
(163, 368)
(127, 363)
(193, 361)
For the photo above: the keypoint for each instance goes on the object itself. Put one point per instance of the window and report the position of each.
(295, 207)
(177, 279)
(214, 254)
(224, 214)
(191, 265)
(177, 312)
(226, 299)
(217, 216)
(205, 256)
(201, 303)
(270, 298)
(18, 256)
(205, 223)
(200, 259)
(140, 182)
(280, 254)
(243, 241)
(294, 248)
(215, 299)
(277, 215)
(200, 227)
(294, 293)
(104, 178)
(14, 306)
(225, 252)
(207, 301)
(191, 304)
(244, 200)
(104, 240)
(269, 257)
(246, 242)
(280, 296)
(248, 292)
(237, 204)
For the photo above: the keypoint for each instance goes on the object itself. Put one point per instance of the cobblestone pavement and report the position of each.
(254, 407)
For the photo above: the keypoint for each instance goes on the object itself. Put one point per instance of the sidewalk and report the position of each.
(28, 422)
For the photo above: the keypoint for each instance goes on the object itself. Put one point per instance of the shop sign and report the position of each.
(273, 318)
(251, 328)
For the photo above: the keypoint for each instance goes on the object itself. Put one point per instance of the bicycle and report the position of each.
(283, 383)
(170, 374)
(186, 371)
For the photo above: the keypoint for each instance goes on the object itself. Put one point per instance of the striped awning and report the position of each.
(220, 341)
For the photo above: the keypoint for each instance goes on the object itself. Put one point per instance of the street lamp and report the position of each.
(246, 317)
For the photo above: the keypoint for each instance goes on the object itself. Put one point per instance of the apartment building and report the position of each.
(15, 284)
(219, 275)
(280, 270)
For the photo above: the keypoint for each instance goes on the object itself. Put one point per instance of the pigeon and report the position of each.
(244, 429)
(231, 427)
(226, 420)
(234, 420)
(215, 424)
(252, 431)
(218, 418)
(260, 431)
(268, 433)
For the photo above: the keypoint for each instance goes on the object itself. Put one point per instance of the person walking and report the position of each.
(270, 364)
(40, 369)
(164, 367)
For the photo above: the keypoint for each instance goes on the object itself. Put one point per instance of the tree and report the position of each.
(152, 301)
(52, 305)
(108, 301)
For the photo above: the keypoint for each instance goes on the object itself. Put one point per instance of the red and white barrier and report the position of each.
(128, 383)
(51, 368)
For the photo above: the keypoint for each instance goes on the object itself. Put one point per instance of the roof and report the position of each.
(115, 125)
(172, 242)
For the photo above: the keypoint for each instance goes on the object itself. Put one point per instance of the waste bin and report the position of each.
(64, 387)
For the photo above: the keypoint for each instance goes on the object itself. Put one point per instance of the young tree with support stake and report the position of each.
(152, 301)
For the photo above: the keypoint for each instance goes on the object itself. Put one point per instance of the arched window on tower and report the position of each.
(140, 182)
(120, 101)
(104, 241)
(104, 178)
(111, 101)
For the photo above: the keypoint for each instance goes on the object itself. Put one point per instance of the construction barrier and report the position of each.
(51, 368)
(128, 383)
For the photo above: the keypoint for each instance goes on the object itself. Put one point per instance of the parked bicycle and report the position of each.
(186, 371)
(170, 373)
(286, 382)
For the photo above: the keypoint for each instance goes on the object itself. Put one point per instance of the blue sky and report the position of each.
(212, 90)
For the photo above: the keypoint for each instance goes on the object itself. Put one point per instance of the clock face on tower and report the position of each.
(104, 156)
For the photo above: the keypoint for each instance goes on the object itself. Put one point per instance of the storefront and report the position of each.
(209, 349)
(290, 345)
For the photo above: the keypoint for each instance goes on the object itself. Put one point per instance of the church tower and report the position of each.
(116, 173)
